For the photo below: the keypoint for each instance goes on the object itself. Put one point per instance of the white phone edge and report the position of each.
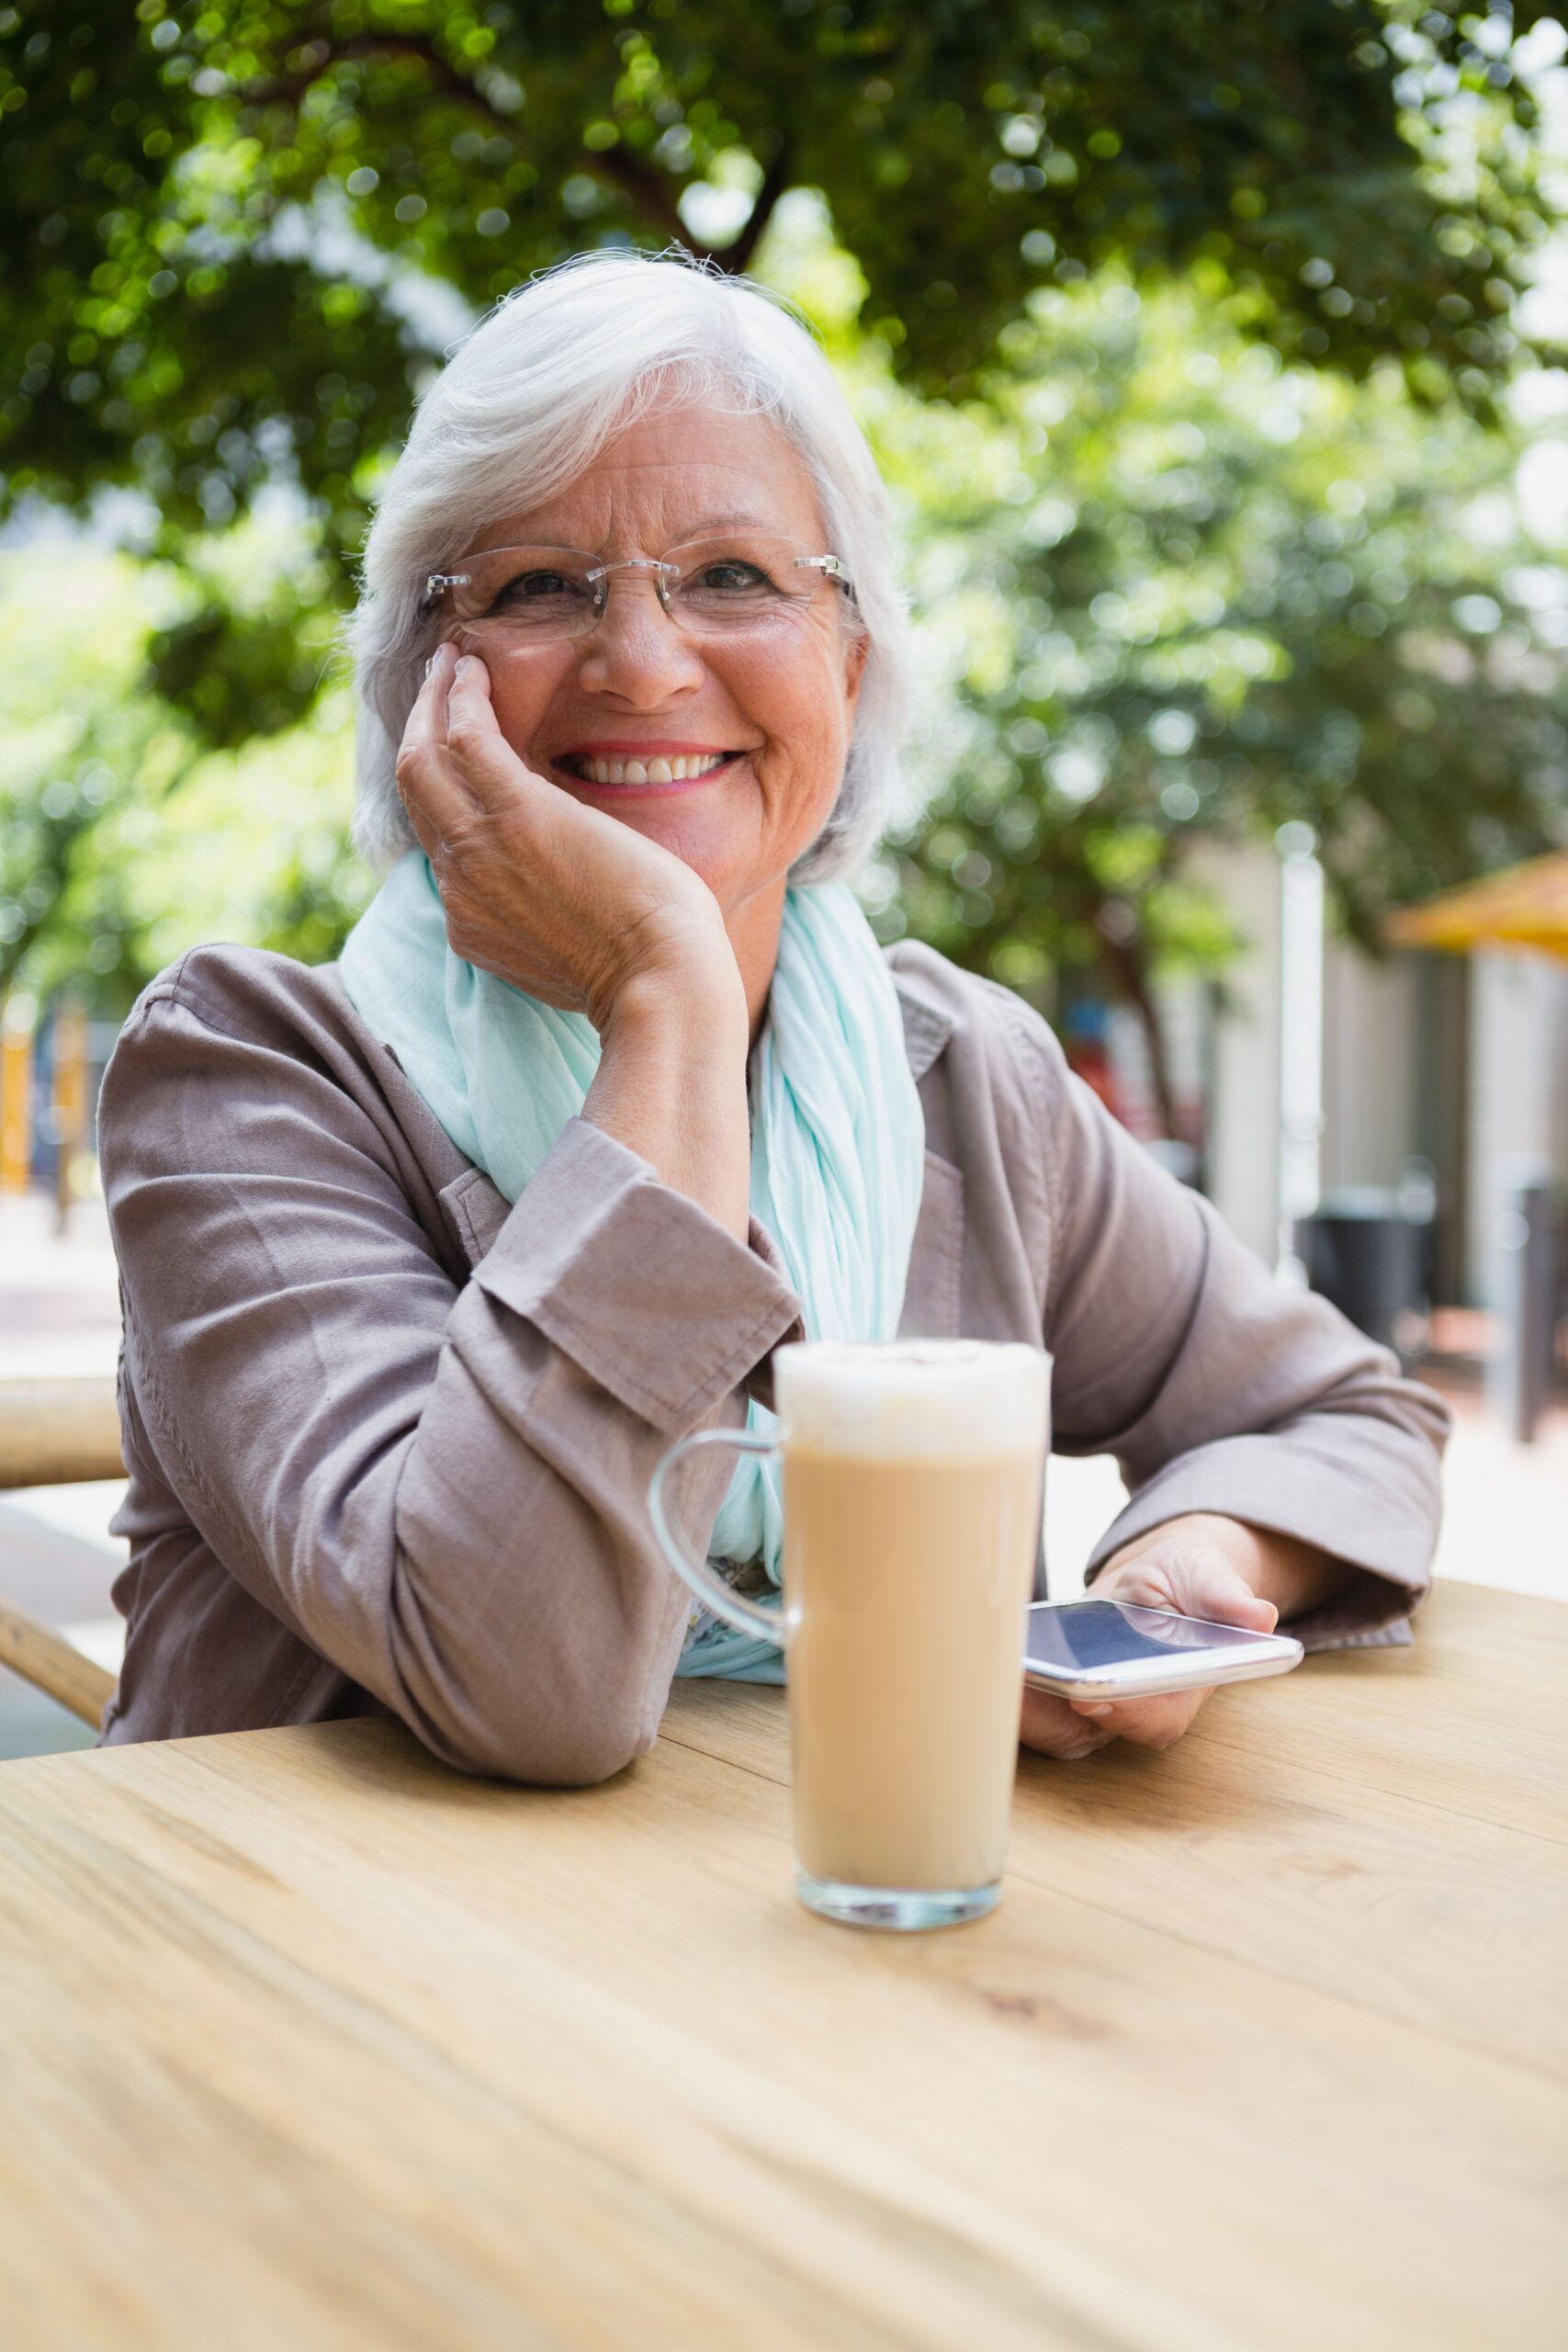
(1157, 1677)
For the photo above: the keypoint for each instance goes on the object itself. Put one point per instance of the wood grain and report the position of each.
(1434, 1811)
(305, 2040)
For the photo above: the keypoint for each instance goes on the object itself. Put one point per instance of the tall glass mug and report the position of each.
(912, 1487)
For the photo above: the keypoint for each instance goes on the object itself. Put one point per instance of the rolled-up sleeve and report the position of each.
(1218, 1386)
(441, 1489)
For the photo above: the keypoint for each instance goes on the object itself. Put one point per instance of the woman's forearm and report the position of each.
(672, 1086)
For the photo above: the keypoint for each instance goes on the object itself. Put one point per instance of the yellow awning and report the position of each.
(1526, 907)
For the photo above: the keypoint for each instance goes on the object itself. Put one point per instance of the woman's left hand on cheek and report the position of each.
(1195, 1578)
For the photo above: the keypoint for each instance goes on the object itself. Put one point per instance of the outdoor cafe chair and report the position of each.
(55, 1433)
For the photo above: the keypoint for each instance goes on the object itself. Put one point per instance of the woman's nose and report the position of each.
(636, 652)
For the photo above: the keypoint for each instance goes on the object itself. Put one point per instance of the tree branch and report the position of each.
(645, 187)
(738, 257)
(647, 191)
(1124, 960)
(292, 88)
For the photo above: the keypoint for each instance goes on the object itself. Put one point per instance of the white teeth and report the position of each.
(679, 770)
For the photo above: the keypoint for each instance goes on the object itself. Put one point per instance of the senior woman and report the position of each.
(428, 1255)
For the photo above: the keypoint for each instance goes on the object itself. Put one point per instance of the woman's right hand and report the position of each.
(562, 900)
(1186, 1568)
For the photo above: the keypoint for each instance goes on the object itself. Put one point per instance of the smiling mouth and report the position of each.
(676, 768)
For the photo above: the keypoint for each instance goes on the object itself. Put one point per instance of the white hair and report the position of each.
(528, 400)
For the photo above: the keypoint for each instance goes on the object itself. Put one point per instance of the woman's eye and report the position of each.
(731, 577)
(529, 585)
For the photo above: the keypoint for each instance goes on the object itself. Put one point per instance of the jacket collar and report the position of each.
(928, 1022)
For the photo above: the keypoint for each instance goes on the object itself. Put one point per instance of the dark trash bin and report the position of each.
(1366, 1248)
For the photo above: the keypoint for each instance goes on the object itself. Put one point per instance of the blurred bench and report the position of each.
(56, 1433)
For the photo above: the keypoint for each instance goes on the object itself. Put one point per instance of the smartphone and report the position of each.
(1116, 1649)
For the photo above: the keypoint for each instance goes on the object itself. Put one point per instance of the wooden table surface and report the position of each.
(308, 2041)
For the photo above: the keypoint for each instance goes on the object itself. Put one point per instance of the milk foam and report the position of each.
(951, 1400)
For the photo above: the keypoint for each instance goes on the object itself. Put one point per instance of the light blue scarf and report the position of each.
(837, 1137)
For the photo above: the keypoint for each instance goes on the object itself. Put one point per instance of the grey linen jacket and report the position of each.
(389, 1437)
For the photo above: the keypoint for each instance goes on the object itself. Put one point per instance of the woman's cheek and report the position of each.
(520, 700)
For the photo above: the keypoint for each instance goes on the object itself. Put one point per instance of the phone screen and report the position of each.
(1108, 1632)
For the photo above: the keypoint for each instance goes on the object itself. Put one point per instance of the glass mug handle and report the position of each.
(768, 1624)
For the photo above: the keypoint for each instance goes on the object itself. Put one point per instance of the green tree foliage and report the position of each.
(238, 233)
(168, 171)
(79, 746)
(1209, 593)
(124, 837)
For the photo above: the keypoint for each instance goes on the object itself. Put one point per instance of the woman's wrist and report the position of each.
(703, 993)
(1294, 1575)
(672, 1086)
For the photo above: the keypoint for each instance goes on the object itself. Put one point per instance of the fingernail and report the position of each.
(430, 665)
(464, 663)
(1097, 1712)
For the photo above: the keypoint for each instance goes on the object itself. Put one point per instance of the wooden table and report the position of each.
(307, 2041)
